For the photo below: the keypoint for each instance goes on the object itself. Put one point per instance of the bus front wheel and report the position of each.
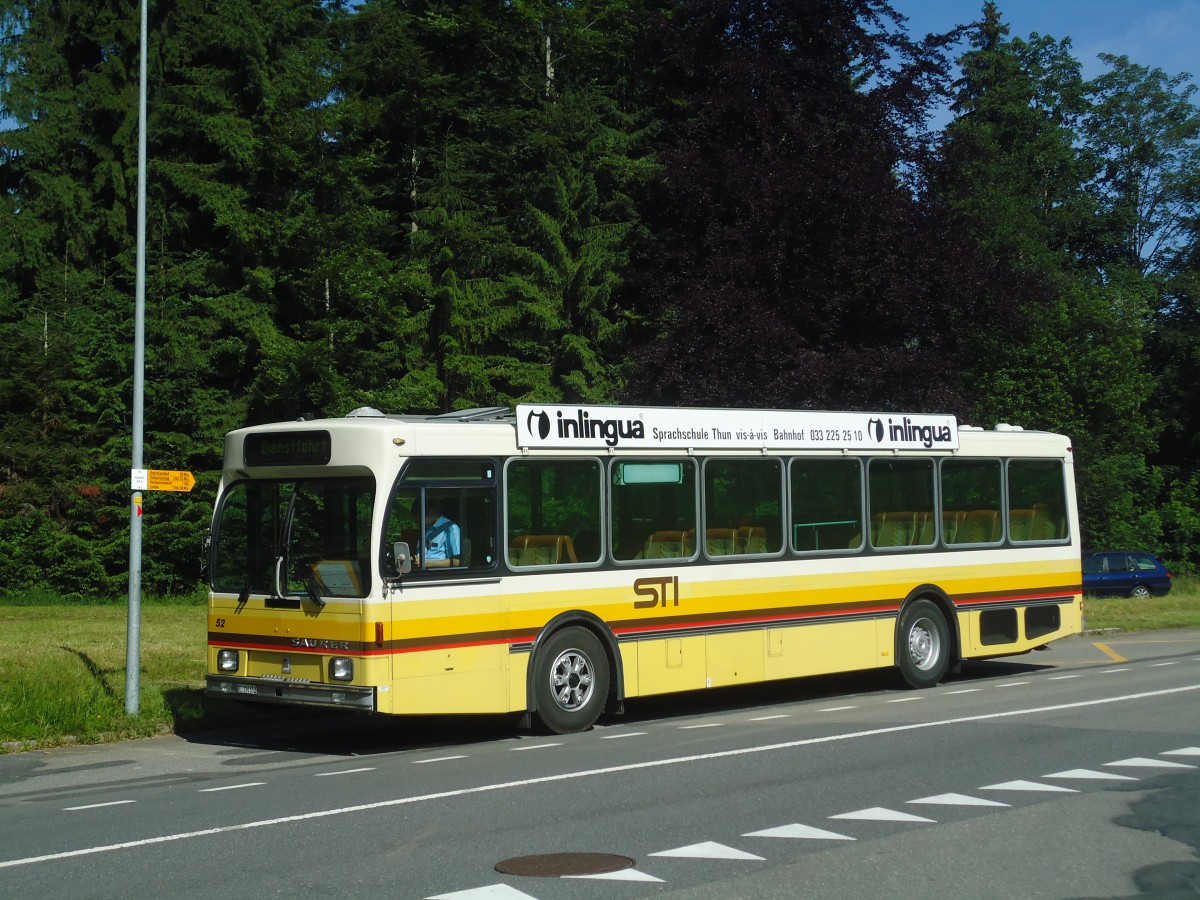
(923, 644)
(571, 685)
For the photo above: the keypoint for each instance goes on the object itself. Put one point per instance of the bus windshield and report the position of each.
(308, 538)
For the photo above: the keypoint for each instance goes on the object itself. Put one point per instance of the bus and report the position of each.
(554, 560)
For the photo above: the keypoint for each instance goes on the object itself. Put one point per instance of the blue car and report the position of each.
(1124, 574)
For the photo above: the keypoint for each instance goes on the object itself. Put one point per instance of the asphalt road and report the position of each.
(1073, 772)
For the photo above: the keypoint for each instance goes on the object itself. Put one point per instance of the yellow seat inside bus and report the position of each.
(1037, 523)
(720, 541)
(541, 550)
(669, 545)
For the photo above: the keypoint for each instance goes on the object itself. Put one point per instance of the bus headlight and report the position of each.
(341, 668)
(227, 660)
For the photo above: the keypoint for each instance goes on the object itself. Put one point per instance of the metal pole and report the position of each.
(133, 648)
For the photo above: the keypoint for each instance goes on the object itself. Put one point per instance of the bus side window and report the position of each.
(445, 510)
(900, 493)
(653, 499)
(1036, 500)
(552, 512)
(743, 507)
(827, 498)
(971, 501)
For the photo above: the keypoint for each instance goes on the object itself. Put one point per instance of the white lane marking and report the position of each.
(421, 762)
(1111, 671)
(1172, 663)
(491, 892)
(1141, 762)
(619, 875)
(963, 691)
(958, 800)
(1182, 751)
(768, 718)
(707, 850)
(881, 814)
(1092, 774)
(903, 699)
(232, 787)
(98, 805)
(836, 708)
(797, 831)
(588, 773)
(709, 725)
(623, 734)
(1012, 684)
(1028, 786)
(1061, 677)
(345, 772)
(538, 746)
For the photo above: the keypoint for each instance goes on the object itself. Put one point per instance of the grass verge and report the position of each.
(1178, 609)
(62, 666)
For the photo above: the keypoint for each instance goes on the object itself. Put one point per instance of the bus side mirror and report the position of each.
(402, 556)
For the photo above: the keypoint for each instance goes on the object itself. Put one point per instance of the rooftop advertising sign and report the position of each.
(661, 428)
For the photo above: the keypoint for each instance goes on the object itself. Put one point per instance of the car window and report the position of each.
(1093, 565)
(1146, 563)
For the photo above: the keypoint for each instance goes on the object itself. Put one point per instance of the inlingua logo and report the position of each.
(906, 431)
(543, 424)
(583, 426)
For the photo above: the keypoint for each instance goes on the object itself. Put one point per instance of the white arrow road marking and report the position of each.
(1141, 762)
(491, 892)
(708, 850)
(797, 830)
(880, 814)
(621, 875)
(1090, 773)
(1028, 786)
(958, 800)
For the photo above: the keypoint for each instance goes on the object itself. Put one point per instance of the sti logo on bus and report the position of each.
(905, 431)
(659, 590)
(584, 426)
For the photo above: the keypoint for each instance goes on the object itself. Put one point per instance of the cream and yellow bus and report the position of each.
(557, 559)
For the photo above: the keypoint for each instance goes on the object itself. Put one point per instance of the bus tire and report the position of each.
(571, 680)
(922, 644)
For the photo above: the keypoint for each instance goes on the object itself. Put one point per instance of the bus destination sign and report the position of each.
(661, 428)
(288, 448)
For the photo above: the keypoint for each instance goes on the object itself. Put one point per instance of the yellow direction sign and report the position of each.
(166, 480)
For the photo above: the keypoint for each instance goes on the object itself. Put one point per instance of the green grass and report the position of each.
(1178, 609)
(62, 666)
(62, 674)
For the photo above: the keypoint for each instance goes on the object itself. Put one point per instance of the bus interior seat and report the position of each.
(952, 520)
(1020, 524)
(751, 539)
(720, 541)
(665, 545)
(541, 550)
(924, 535)
(980, 526)
(1036, 523)
(893, 529)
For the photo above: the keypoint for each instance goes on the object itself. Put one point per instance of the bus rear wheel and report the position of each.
(571, 681)
(922, 644)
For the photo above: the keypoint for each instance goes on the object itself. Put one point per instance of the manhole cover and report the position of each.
(559, 865)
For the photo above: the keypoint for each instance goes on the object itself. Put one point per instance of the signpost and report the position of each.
(161, 480)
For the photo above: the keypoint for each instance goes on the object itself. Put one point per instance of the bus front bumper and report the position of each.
(261, 690)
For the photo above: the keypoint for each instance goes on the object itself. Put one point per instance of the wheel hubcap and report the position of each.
(571, 680)
(924, 645)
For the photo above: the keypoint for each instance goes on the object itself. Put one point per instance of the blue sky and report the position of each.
(1156, 33)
